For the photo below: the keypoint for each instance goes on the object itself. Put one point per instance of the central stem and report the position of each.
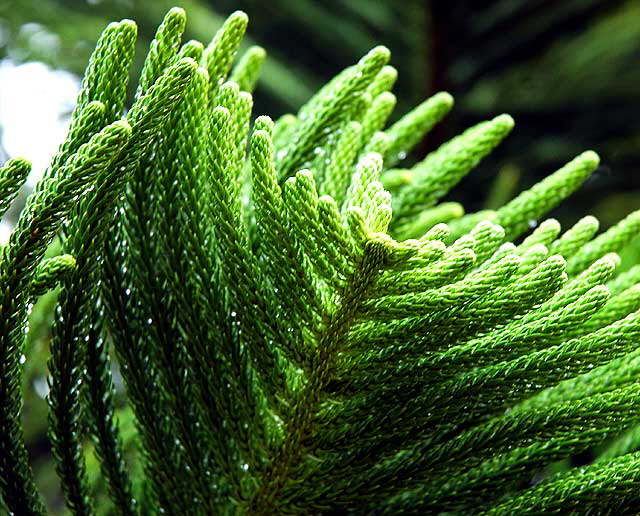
(300, 423)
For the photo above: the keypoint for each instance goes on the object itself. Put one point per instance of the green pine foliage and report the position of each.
(301, 326)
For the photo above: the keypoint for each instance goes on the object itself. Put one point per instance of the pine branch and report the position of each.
(50, 272)
(148, 113)
(300, 328)
(65, 368)
(247, 71)
(12, 176)
(442, 169)
(35, 229)
(407, 132)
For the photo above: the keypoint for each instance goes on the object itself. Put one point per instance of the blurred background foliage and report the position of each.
(568, 71)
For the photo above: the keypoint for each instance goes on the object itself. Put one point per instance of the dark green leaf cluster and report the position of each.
(301, 327)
